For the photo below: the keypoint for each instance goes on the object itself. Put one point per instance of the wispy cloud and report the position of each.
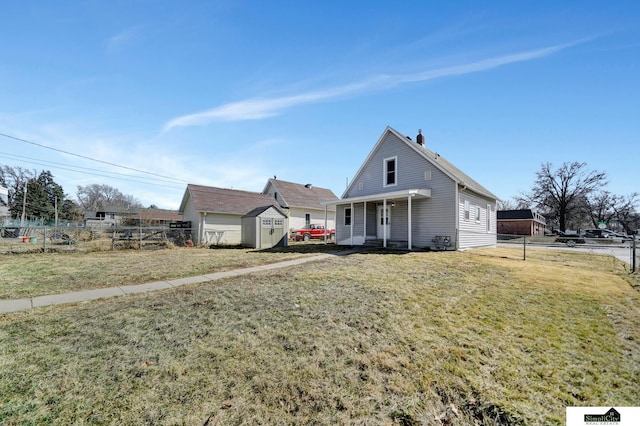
(260, 108)
(118, 40)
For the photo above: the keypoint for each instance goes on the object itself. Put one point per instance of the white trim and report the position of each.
(395, 195)
(409, 222)
(385, 163)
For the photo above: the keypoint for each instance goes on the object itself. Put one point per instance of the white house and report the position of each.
(407, 196)
(216, 213)
(305, 203)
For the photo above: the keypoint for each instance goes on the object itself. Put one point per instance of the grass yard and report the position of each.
(457, 338)
(39, 274)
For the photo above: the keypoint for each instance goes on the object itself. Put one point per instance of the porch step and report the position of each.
(390, 244)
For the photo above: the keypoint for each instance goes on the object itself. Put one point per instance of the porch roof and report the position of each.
(396, 195)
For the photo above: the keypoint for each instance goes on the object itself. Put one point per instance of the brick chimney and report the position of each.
(420, 138)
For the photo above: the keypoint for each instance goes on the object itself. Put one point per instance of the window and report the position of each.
(307, 218)
(478, 214)
(347, 216)
(488, 217)
(278, 222)
(466, 210)
(390, 172)
(266, 221)
(361, 186)
(427, 175)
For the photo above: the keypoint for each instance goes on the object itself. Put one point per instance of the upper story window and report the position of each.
(466, 209)
(391, 171)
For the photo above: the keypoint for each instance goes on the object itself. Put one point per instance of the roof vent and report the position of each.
(308, 185)
(420, 138)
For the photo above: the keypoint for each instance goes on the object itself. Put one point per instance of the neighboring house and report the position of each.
(157, 217)
(306, 204)
(4, 202)
(216, 213)
(134, 216)
(405, 195)
(521, 222)
(264, 227)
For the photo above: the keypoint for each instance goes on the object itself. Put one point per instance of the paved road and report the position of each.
(622, 252)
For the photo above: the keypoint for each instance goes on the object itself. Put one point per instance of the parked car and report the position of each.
(312, 231)
(598, 233)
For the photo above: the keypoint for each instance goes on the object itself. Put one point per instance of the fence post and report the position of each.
(633, 255)
(524, 248)
(44, 238)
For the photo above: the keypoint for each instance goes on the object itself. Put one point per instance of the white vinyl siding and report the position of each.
(474, 233)
(488, 218)
(297, 217)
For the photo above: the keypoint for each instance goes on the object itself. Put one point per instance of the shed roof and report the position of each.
(221, 200)
(259, 210)
(301, 195)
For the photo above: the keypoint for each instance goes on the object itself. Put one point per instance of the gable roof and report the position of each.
(299, 195)
(434, 158)
(220, 200)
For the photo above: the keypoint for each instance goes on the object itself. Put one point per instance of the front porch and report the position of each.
(384, 217)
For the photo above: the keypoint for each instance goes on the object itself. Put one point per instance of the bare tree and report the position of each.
(98, 197)
(561, 192)
(15, 179)
(625, 212)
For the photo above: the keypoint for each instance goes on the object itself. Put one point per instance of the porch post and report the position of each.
(384, 222)
(365, 221)
(351, 223)
(409, 221)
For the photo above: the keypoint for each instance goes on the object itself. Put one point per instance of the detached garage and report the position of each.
(264, 227)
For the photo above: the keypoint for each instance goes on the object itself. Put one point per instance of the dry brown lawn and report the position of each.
(459, 338)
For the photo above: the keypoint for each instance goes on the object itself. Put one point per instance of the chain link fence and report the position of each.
(623, 249)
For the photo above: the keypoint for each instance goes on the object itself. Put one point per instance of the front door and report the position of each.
(384, 221)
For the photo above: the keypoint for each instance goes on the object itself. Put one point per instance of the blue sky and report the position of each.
(230, 93)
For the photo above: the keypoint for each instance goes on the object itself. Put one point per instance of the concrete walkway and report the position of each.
(17, 305)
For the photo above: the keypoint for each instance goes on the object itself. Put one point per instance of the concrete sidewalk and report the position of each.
(7, 306)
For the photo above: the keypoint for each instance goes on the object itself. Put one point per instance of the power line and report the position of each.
(91, 159)
(92, 172)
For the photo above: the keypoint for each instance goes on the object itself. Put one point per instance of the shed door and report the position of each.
(271, 231)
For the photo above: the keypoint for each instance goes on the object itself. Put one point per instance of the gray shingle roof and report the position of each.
(230, 201)
(299, 195)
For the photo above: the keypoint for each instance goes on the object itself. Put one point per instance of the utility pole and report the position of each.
(24, 205)
(56, 208)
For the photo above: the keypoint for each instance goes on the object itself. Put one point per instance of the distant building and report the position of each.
(521, 222)
(4, 202)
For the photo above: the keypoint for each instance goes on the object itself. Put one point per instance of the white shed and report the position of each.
(264, 227)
